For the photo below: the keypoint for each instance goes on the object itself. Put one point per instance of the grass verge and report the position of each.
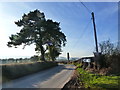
(97, 81)
(14, 71)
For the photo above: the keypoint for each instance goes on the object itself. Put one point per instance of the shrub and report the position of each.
(110, 56)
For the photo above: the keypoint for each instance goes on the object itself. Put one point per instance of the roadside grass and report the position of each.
(14, 71)
(97, 81)
(78, 65)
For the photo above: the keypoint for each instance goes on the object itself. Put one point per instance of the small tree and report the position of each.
(53, 52)
(110, 54)
(36, 29)
(106, 47)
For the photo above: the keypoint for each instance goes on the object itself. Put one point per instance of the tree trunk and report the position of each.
(42, 53)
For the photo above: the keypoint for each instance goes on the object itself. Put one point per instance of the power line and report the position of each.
(85, 6)
(83, 33)
(85, 29)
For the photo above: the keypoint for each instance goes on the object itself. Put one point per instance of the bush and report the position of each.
(14, 71)
(110, 56)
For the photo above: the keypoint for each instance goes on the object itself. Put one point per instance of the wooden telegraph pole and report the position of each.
(95, 34)
(96, 54)
(93, 18)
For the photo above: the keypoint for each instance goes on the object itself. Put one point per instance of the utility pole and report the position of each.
(95, 34)
(97, 54)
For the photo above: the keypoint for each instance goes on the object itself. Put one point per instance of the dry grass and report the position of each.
(13, 71)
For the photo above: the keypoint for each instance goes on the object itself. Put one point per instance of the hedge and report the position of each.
(15, 71)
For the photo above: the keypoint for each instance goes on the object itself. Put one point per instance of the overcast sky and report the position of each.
(75, 22)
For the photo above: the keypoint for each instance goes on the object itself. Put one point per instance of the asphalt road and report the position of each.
(55, 77)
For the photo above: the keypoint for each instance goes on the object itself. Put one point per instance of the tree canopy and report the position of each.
(36, 29)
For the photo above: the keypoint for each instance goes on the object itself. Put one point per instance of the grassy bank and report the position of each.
(84, 79)
(14, 71)
(97, 81)
(89, 80)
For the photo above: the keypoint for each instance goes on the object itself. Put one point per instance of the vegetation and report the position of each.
(36, 29)
(34, 58)
(109, 62)
(97, 81)
(110, 56)
(84, 79)
(13, 71)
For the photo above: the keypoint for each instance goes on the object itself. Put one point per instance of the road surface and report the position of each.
(55, 77)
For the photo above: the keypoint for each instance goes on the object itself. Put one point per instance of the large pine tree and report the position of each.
(36, 29)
